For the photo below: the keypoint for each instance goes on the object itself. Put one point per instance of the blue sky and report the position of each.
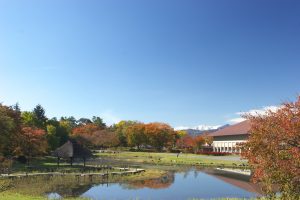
(181, 62)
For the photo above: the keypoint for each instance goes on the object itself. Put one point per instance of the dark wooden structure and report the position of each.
(71, 150)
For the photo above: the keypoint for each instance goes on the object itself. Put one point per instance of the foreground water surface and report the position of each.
(186, 184)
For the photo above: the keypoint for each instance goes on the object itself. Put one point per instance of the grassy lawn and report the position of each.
(49, 164)
(172, 159)
(17, 196)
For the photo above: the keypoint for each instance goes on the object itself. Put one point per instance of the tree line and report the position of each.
(26, 134)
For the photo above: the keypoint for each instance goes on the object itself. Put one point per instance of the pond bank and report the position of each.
(126, 157)
(123, 171)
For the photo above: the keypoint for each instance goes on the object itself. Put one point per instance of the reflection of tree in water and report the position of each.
(196, 174)
(65, 186)
(155, 183)
(186, 174)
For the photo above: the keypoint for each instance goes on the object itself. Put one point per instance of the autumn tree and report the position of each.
(135, 135)
(158, 134)
(273, 149)
(32, 143)
(199, 141)
(84, 133)
(85, 129)
(208, 139)
(181, 133)
(7, 127)
(10, 127)
(94, 136)
(104, 139)
(186, 142)
(121, 128)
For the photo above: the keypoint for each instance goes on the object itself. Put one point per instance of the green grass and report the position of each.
(49, 164)
(171, 159)
(17, 196)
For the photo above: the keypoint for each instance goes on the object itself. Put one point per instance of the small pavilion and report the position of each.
(71, 150)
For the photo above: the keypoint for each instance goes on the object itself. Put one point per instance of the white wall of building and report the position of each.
(229, 146)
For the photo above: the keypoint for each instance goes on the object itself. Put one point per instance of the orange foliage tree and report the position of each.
(192, 144)
(273, 149)
(199, 142)
(104, 138)
(84, 130)
(186, 142)
(93, 135)
(159, 135)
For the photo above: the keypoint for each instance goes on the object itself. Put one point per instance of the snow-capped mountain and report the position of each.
(206, 127)
(200, 129)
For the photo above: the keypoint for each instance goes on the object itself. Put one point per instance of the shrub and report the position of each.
(213, 153)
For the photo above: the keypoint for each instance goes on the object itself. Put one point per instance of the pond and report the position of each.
(177, 184)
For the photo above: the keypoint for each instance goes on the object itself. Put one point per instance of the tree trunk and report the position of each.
(58, 161)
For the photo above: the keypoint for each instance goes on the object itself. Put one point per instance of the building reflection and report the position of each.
(239, 180)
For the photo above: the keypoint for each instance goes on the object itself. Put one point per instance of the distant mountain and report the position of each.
(224, 126)
(202, 129)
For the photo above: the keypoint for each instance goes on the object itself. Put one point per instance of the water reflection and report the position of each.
(180, 185)
(176, 184)
(238, 180)
(156, 183)
(55, 186)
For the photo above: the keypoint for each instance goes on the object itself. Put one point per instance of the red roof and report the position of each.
(241, 128)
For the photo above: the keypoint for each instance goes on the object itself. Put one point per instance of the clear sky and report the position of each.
(185, 62)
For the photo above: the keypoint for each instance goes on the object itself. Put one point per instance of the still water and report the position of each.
(192, 183)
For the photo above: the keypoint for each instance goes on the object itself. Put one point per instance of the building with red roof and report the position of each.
(226, 139)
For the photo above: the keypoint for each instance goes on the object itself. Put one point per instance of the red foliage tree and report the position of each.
(32, 142)
(273, 149)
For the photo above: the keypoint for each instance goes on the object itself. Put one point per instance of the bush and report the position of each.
(5, 165)
(214, 153)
